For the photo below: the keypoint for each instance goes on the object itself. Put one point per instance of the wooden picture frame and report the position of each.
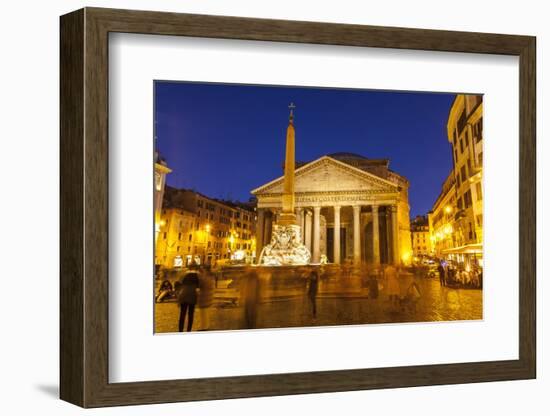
(84, 207)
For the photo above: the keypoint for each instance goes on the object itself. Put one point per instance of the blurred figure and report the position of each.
(312, 289)
(250, 297)
(413, 296)
(165, 290)
(451, 275)
(392, 284)
(441, 270)
(186, 293)
(373, 284)
(205, 298)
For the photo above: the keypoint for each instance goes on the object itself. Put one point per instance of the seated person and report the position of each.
(165, 290)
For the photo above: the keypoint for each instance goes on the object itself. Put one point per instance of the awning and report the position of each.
(467, 249)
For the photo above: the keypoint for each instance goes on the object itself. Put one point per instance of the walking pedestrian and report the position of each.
(205, 299)
(413, 296)
(313, 288)
(373, 284)
(187, 298)
(441, 270)
(250, 296)
(392, 284)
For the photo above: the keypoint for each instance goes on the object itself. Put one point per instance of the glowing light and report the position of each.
(448, 229)
(178, 261)
(207, 228)
(448, 209)
(239, 255)
(406, 256)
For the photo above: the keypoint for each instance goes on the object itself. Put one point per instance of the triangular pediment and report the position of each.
(330, 175)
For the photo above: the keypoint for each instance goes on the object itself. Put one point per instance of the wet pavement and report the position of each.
(227, 312)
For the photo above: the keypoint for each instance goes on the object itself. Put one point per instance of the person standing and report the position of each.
(250, 296)
(187, 298)
(312, 290)
(441, 271)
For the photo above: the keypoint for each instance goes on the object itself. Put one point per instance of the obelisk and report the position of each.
(287, 215)
(286, 248)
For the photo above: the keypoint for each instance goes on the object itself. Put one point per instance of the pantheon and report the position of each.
(361, 197)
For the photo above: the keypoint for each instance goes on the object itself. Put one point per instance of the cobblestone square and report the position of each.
(435, 304)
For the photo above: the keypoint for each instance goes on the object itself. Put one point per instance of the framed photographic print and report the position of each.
(261, 207)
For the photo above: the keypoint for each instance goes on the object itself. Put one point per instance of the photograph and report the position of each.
(282, 206)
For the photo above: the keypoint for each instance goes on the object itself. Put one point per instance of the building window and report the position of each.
(480, 158)
(463, 173)
(479, 220)
(479, 195)
(164, 236)
(467, 199)
(190, 237)
(461, 145)
(179, 236)
(461, 123)
(478, 128)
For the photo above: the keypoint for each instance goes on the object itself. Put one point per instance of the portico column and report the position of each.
(299, 219)
(316, 234)
(268, 225)
(336, 234)
(308, 226)
(375, 236)
(260, 232)
(395, 234)
(356, 234)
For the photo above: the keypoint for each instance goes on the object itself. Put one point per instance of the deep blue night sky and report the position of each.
(225, 140)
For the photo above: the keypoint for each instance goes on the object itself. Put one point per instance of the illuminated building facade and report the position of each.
(195, 228)
(456, 219)
(420, 237)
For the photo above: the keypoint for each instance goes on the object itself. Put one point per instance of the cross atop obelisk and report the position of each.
(288, 216)
(291, 106)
